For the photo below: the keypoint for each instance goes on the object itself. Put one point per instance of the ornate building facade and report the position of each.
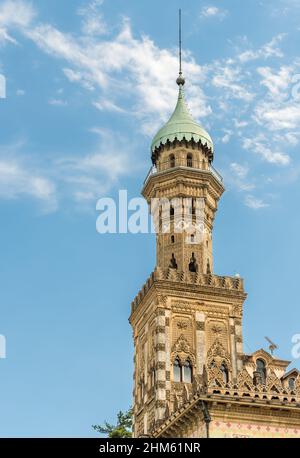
(191, 376)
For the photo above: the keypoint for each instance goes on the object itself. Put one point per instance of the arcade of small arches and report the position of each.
(182, 160)
(193, 265)
(183, 371)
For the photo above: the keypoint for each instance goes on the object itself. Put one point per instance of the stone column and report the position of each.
(135, 386)
(168, 355)
(160, 349)
(233, 348)
(239, 344)
(200, 342)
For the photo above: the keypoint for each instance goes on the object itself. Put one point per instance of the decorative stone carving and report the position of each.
(217, 353)
(182, 350)
(245, 381)
(273, 383)
(160, 329)
(200, 325)
(182, 324)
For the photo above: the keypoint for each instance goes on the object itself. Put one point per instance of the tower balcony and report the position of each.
(196, 165)
(208, 282)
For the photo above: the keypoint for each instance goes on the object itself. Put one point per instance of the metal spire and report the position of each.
(180, 80)
(180, 42)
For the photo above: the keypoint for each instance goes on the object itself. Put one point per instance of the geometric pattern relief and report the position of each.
(182, 325)
(182, 349)
(216, 330)
(218, 355)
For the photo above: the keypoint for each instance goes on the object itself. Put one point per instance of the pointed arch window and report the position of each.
(261, 369)
(173, 263)
(172, 160)
(177, 371)
(187, 372)
(224, 371)
(292, 381)
(189, 160)
(193, 264)
(182, 373)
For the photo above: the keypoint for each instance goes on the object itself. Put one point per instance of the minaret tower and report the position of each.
(185, 318)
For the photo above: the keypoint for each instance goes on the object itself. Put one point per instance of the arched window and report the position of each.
(171, 210)
(177, 371)
(292, 383)
(189, 160)
(261, 368)
(193, 264)
(208, 270)
(172, 239)
(182, 373)
(173, 263)
(187, 372)
(192, 238)
(172, 160)
(224, 371)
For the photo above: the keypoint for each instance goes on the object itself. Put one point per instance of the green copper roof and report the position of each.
(181, 125)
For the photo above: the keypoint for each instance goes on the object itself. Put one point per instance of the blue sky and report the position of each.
(88, 84)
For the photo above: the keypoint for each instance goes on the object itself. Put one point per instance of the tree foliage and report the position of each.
(123, 428)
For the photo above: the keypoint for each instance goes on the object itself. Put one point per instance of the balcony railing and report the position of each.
(196, 165)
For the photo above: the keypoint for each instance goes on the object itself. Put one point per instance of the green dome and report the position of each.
(181, 126)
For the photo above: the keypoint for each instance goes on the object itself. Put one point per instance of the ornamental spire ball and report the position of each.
(180, 80)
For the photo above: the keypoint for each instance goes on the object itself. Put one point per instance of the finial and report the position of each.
(180, 80)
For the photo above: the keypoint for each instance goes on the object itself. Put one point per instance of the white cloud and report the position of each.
(58, 102)
(93, 23)
(121, 70)
(268, 50)
(227, 136)
(237, 177)
(240, 124)
(17, 180)
(87, 177)
(212, 11)
(277, 83)
(255, 203)
(229, 78)
(104, 64)
(14, 14)
(80, 179)
(241, 171)
(276, 117)
(5, 37)
(107, 105)
(258, 146)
